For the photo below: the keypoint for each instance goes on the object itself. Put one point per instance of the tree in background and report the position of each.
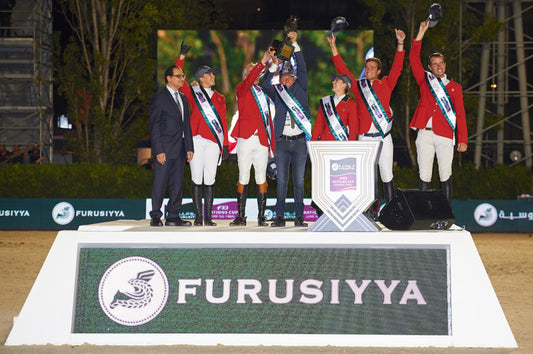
(106, 72)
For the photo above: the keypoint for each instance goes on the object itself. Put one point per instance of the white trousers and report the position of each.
(251, 152)
(386, 157)
(205, 161)
(429, 144)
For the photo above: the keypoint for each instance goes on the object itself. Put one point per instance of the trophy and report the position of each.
(284, 49)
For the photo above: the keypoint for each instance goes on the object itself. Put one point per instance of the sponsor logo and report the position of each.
(486, 214)
(14, 213)
(133, 291)
(63, 213)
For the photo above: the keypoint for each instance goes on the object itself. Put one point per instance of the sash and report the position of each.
(440, 94)
(263, 104)
(338, 129)
(295, 109)
(374, 107)
(209, 113)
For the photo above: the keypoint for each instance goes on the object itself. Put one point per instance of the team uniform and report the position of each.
(347, 112)
(367, 128)
(254, 133)
(207, 146)
(436, 137)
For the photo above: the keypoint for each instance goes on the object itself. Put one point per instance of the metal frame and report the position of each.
(503, 89)
(26, 105)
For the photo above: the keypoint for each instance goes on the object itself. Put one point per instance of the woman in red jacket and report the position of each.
(210, 136)
(337, 115)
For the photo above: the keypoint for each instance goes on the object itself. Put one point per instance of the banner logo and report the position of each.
(343, 175)
(133, 291)
(63, 213)
(486, 214)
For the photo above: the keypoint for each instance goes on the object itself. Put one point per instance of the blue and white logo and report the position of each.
(63, 213)
(486, 214)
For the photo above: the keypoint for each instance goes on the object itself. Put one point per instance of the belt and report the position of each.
(293, 137)
(372, 135)
(375, 135)
(426, 128)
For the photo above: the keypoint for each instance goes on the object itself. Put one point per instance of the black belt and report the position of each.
(426, 128)
(293, 137)
(375, 135)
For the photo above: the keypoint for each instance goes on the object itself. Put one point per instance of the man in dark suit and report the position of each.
(292, 127)
(171, 139)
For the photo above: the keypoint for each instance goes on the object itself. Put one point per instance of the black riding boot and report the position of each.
(240, 220)
(446, 187)
(261, 207)
(209, 195)
(424, 186)
(197, 203)
(388, 190)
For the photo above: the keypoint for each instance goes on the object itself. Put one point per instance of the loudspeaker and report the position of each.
(417, 210)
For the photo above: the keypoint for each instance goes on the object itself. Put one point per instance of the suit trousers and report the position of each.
(172, 173)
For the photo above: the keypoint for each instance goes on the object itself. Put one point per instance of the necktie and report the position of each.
(178, 101)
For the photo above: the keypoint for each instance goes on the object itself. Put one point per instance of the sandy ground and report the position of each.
(507, 258)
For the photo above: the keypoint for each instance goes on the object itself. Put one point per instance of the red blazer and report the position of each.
(382, 87)
(250, 118)
(427, 106)
(347, 110)
(198, 124)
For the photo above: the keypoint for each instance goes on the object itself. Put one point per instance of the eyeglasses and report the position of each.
(179, 75)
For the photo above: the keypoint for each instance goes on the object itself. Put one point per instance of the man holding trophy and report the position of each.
(292, 126)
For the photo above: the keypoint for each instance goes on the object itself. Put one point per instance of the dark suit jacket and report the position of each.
(298, 89)
(168, 131)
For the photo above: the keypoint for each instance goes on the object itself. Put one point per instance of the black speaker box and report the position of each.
(417, 210)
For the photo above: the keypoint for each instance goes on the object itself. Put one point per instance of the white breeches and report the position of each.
(428, 144)
(205, 161)
(251, 152)
(386, 157)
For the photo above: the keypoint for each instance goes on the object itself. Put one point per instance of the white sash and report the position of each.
(209, 113)
(263, 104)
(338, 129)
(295, 109)
(381, 120)
(440, 94)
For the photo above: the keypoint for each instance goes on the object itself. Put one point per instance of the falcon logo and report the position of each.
(133, 291)
(140, 297)
(63, 213)
(486, 214)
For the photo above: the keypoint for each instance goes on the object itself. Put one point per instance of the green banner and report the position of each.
(263, 290)
(66, 214)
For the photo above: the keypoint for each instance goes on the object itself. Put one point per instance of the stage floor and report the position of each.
(222, 226)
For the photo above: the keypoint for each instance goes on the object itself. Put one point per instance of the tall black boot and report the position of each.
(197, 203)
(209, 195)
(446, 187)
(388, 190)
(424, 186)
(240, 220)
(261, 207)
